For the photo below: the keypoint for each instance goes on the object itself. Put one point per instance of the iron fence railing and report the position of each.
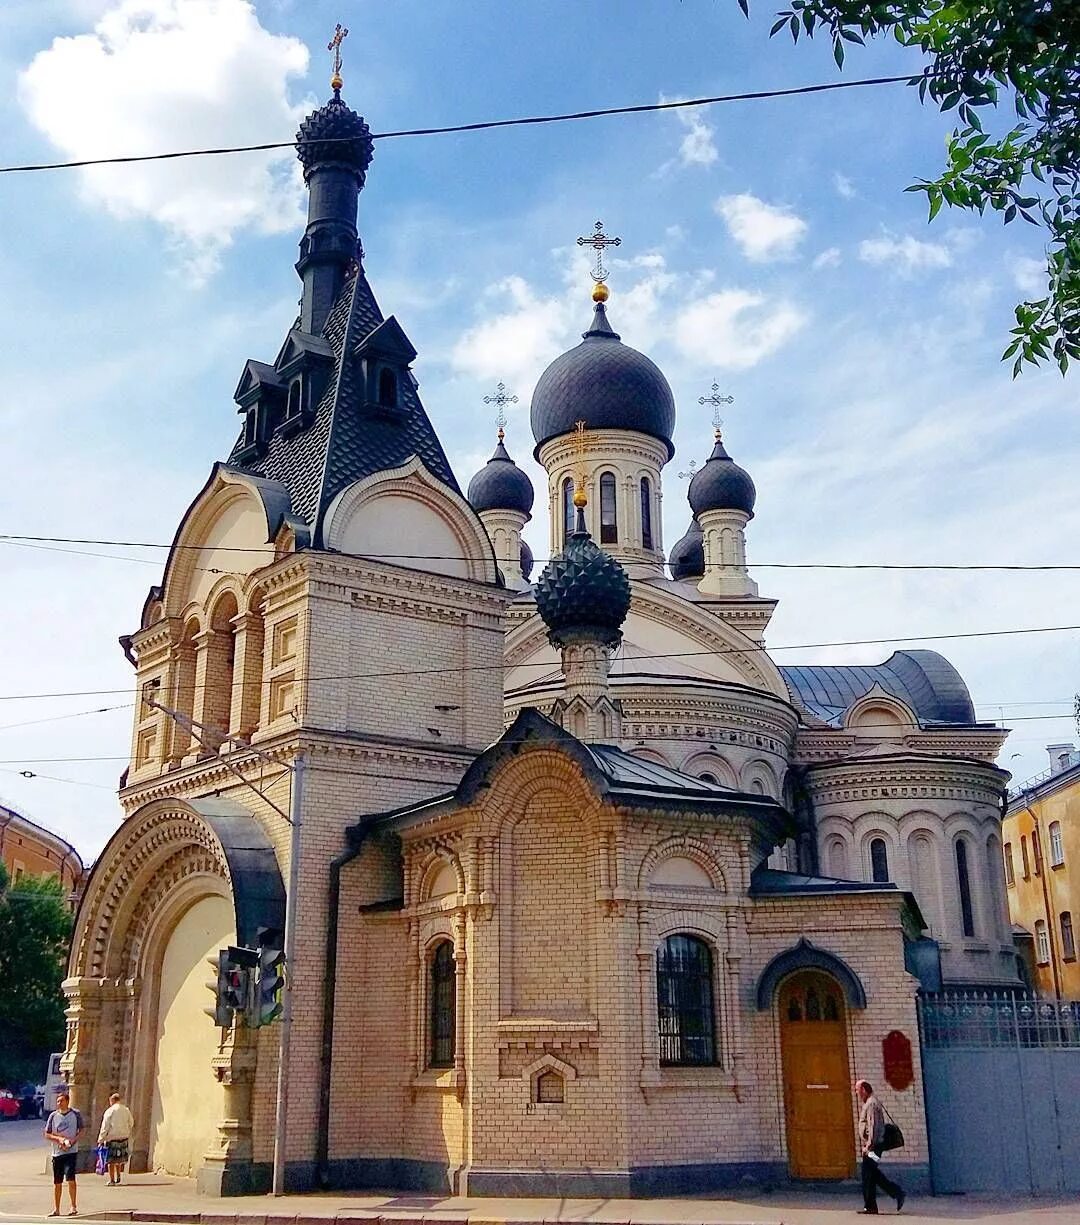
(959, 1019)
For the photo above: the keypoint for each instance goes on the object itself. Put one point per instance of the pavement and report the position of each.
(26, 1196)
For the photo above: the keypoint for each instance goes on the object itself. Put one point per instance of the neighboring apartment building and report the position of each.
(1041, 843)
(26, 848)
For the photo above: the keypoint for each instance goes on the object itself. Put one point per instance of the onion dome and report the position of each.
(335, 135)
(605, 383)
(527, 560)
(501, 485)
(583, 592)
(721, 485)
(687, 557)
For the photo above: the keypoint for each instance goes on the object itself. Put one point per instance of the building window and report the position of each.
(550, 1087)
(568, 508)
(709, 778)
(1068, 940)
(388, 389)
(294, 402)
(442, 990)
(1057, 848)
(1010, 876)
(646, 513)
(684, 998)
(1036, 851)
(963, 880)
(879, 861)
(1042, 942)
(609, 530)
(1024, 856)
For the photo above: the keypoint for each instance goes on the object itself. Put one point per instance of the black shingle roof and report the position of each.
(344, 442)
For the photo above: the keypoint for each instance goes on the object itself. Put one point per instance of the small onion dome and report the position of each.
(607, 385)
(501, 485)
(687, 557)
(335, 135)
(527, 560)
(583, 591)
(721, 485)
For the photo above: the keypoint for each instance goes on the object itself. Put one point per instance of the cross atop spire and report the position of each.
(581, 498)
(598, 241)
(334, 45)
(716, 399)
(500, 399)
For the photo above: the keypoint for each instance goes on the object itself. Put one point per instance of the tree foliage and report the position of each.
(980, 52)
(35, 927)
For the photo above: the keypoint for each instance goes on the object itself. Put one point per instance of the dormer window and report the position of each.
(251, 426)
(294, 404)
(388, 389)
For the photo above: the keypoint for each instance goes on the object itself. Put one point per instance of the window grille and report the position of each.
(609, 530)
(443, 991)
(646, 513)
(879, 861)
(1057, 848)
(684, 997)
(967, 915)
(1068, 940)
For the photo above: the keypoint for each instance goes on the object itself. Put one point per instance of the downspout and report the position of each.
(1041, 863)
(322, 1140)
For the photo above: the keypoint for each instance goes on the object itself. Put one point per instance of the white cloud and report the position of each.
(1029, 276)
(735, 328)
(697, 147)
(907, 254)
(829, 258)
(844, 186)
(176, 74)
(763, 231)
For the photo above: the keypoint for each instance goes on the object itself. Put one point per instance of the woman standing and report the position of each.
(115, 1136)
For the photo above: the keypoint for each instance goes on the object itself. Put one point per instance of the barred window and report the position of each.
(963, 880)
(646, 513)
(442, 991)
(609, 530)
(684, 998)
(879, 861)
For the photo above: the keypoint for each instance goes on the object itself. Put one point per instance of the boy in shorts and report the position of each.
(62, 1129)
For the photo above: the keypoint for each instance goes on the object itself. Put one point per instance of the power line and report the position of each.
(73, 782)
(78, 714)
(749, 649)
(267, 551)
(481, 126)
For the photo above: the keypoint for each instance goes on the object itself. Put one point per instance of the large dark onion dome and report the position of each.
(687, 557)
(607, 385)
(721, 485)
(583, 592)
(335, 135)
(501, 485)
(527, 560)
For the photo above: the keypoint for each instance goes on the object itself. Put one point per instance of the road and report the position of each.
(19, 1134)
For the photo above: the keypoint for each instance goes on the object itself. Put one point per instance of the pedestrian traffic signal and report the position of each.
(271, 975)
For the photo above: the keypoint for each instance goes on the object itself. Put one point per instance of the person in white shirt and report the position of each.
(115, 1135)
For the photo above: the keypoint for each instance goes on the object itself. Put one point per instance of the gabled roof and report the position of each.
(343, 443)
(614, 774)
(389, 338)
(925, 680)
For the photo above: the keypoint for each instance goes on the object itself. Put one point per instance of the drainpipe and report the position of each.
(1041, 862)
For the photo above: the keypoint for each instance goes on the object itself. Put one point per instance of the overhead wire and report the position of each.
(479, 126)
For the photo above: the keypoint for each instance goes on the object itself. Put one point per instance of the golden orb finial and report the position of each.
(334, 47)
(600, 292)
(581, 498)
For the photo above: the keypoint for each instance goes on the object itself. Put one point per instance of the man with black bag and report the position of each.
(875, 1137)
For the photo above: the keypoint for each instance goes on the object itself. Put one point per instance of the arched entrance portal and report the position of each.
(817, 1081)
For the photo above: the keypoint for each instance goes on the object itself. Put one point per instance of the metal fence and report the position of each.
(1002, 1079)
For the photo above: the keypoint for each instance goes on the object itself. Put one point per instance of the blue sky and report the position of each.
(767, 245)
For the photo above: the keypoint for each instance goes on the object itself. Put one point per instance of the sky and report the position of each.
(768, 246)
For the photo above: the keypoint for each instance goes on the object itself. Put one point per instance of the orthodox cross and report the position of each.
(340, 34)
(580, 498)
(691, 468)
(500, 399)
(598, 241)
(716, 399)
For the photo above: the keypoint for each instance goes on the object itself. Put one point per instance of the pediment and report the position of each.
(388, 340)
(302, 349)
(256, 377)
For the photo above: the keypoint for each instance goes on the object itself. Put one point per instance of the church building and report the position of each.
(592, 897)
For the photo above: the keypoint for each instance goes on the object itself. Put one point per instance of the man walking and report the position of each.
(115, 1135)
(871, 1135)
(63, 1128)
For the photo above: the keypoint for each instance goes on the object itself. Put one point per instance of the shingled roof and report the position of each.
(344, 443)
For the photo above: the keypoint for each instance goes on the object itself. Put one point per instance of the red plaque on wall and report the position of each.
(896, 1055)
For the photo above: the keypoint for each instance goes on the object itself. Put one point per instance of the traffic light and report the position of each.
(271, 983)
(233, 987)
(221, 1012)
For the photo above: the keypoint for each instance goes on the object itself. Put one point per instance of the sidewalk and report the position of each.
(26, 1195)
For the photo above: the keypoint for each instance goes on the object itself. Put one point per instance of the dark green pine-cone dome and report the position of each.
(583, 591)
(335, 135)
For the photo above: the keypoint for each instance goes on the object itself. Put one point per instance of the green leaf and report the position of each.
(838, 53)
(777, 26)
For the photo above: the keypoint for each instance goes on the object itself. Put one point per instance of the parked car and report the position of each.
(9, 1105)
(31, 1102)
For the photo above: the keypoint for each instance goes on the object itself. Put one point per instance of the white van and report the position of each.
(53, 1082)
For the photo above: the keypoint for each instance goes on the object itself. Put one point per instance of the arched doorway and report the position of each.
(816, 1075)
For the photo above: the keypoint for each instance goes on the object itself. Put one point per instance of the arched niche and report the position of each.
(806, 956)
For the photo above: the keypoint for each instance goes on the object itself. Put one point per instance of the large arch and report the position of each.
(806, 956)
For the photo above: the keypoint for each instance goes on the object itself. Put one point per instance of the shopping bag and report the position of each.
(102, 1164)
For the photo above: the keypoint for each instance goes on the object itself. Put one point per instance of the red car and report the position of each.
(9, 1105)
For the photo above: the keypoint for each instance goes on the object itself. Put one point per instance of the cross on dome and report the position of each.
(334, 45)
(598, 240)
(500, 399)
(716, 399)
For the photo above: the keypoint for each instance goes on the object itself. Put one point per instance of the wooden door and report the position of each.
(817, 1083)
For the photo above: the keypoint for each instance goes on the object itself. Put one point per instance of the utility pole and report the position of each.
(296, 769)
